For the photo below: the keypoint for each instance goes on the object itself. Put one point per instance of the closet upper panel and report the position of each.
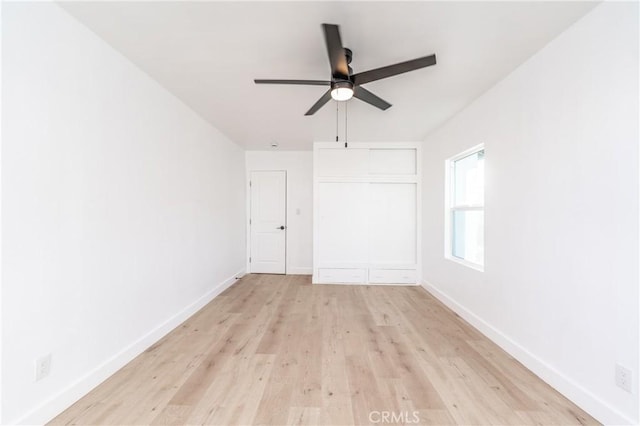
(365, 162)
(342, 162)
(392, 161)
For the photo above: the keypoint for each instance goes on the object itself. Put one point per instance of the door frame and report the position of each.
(248, 216)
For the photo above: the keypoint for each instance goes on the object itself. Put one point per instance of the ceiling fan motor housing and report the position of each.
(341, 84)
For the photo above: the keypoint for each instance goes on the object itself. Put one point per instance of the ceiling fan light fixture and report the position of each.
(342, 91)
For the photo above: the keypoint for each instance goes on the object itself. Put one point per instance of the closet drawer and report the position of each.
(392, 276)
(346, 275)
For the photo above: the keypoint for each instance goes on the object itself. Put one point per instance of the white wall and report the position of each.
(1, 132)
(299, 167)
(560, 287)
(122, 210)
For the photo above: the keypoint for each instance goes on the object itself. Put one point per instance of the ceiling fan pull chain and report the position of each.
(337, 103)
(346, 111)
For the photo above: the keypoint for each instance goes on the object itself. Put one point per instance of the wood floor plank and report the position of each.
(336, 398)
(275, 350)
(365, 394)
(172, 415)
(242, 397)
(304, 416)
(309, 370)
(275, 402)
(419, 388)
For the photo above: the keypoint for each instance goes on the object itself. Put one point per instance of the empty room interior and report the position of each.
(314, 212)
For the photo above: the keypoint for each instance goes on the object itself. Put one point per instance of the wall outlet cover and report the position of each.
(43, 367)
(624, 378)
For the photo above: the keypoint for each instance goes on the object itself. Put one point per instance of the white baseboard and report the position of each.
(583, 398)
(69, 395)
(299, 271)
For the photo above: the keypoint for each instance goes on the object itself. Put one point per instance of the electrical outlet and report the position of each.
(43, 367)
(624, 378)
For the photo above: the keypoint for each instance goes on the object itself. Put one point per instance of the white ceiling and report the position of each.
(208, 53)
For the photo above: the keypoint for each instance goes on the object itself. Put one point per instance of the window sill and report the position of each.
(479, 268)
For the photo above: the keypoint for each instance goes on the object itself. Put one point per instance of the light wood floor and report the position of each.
(278, 350)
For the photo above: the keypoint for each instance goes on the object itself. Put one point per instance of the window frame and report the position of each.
(450, 208)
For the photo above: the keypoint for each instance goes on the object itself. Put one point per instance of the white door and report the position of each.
(268, 222)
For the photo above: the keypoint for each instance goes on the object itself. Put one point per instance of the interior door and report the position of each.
(268, 222)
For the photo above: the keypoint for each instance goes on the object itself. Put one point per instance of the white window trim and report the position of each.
(449, 209)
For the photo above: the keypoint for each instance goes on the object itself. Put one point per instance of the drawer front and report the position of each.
(328, 276)
(393, 276)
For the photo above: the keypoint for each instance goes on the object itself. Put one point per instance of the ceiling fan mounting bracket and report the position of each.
(348, 54)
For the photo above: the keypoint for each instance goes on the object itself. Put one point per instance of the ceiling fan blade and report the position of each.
(368, 97)
(323, 100)
(337, 57)
(302, 82)
(391, 70)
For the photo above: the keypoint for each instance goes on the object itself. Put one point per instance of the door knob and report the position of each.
(281, 227)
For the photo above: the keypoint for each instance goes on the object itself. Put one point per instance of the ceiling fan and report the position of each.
(344, 84)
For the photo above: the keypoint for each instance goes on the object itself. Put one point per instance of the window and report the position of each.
(465, 208)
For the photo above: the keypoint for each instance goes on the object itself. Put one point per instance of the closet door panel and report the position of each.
(342, 231)
(392, 223)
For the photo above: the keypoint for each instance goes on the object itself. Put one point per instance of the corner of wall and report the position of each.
(53, 406)
(556, 379)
